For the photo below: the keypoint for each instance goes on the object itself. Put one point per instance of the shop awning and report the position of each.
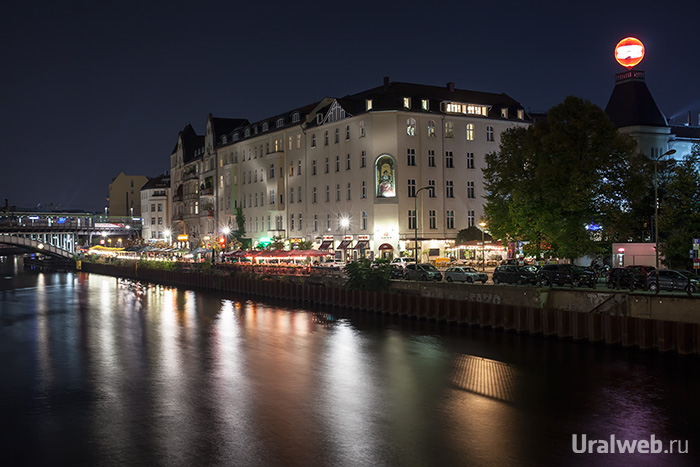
(344, 245)
(326, 244)
(361, 245)
(385, 246)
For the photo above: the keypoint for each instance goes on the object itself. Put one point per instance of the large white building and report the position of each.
(363, 175)
(155, 208)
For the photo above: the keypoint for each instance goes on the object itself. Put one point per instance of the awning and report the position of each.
(361, 245)
(385, 246)
(344, 245)
(326, 244)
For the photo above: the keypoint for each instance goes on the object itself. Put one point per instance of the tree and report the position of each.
(277, 243)
(304, 245)
(548, 181)
(365, 275)
(470, 234)
(240, 223)
(679, 211)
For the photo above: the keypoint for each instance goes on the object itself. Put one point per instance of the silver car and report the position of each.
(465, 274)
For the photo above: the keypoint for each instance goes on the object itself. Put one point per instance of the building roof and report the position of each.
(192, 144)
(631, 102)
(686, 132)
(159, 182)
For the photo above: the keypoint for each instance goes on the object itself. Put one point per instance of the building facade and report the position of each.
(363, 175)
(155, 206)
(124, 198)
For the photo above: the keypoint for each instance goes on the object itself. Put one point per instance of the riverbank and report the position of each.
(666, 324)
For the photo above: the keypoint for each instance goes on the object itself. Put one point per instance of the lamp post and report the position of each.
(483, 247)
(415, 222)
(344, 223)
(656, 210)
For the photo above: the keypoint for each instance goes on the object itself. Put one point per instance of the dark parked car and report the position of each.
(625, 278)
(643, 269)
(396, 271)
(520, 275)
(562, 274)
(670, 279)
(465, 274)
(422, 272)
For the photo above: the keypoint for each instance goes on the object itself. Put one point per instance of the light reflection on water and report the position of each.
(108, 371)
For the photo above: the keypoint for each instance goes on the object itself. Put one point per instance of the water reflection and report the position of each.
(100, 370)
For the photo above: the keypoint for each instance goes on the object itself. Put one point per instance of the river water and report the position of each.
(103, 371)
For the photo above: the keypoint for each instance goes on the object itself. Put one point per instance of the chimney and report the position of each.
(689, 119)
(451, 86)
(386, 82)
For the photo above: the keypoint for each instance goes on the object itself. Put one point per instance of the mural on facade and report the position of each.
(385, 170)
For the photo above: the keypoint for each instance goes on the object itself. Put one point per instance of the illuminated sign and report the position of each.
(363, 237)
(182, 238)
(107, 225)
(629, 52)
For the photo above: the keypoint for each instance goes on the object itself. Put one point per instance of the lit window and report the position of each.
(431, 129)
(369, 104)
(470, 132)
(449, 130)
(407, 102)
(504, 112)
(521, 114)
(411, 127)
(425, 105)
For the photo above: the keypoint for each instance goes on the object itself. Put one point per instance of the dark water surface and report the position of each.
(102, 371)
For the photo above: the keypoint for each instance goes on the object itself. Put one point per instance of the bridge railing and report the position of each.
(52, 222)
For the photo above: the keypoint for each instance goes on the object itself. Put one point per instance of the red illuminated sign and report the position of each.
(629, 52)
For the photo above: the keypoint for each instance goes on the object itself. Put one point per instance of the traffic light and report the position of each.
(222, 242)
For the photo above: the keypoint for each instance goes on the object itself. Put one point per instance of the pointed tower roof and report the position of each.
(631, 102)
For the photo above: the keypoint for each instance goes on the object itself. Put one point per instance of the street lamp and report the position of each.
(483, 247)
(656, 210)
(344, 223)
(415, 221)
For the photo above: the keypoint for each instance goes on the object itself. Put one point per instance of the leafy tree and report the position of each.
(547, 181)
(277, 243)
(240, 223)
(365, 275)
(304, 245)
(469, 235)
(679, 211)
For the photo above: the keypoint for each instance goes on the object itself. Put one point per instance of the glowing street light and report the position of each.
(483, 247)
(344, 223)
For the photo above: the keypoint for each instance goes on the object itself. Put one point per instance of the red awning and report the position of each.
(361, 245)
(386, 246)
(344, 244)
(326, 244)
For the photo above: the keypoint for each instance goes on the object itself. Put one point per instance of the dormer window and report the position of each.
(255, 129)
(425, 105)
(504, 112)
(280, 122)
(265, 126)
(319, 118)
(224, 140)
(407, 102)
(295, 117)
(235, 136)
(368, 104)
(521, 114)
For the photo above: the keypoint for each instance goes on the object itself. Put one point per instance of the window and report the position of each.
(347, 132)
(363, 226)
(315, 222)
(449, 160)
(449, 189)
(521, 114)
(153, 221)
(298, 194)
(349, 191)
(337, 135)
(450, 219)
(325, 138)
(363, 159)
(256, 175)
(431, 157)
(470, 160)
(271, 173)
(470, 132)
(291, 169)
(425, 105)
(299, 141)
(337, 163)
(299, 167)
(268, 223)
(327, 166)
(489, 133)
(328, 222)
(313, 140)
(470, 218)
(411, 127)
(328, 193)
(301, 225)
(504, 112)
(291, 143)
(411, 157)
(313, 167)
(278, 223)
(295, 117)
(470, 190)
(291, 222)
(449, 130)
(280, 122)
(364, 189)
(153, 208)
(160, 207)
(262, 198)
(368, 104)
(431, 129)
(291, 195)
(337, 192)
(407, 102)
(256, 199)
(347, 164)
(433, 220)
(431, 184)
(411, 219)
(265, 126)
(313, 195)
(362, 129)
(411, 188)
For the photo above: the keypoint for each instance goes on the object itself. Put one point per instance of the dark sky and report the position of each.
(91, 89)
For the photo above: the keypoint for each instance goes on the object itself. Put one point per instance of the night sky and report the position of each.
(89, 90)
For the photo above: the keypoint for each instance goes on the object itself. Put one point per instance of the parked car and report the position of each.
(670, 279)
(520, 275)
(422, 272)
(626, 278)
(402, 262)
(562, 274)
(333, 263)
(465, 274)
(396, 271)
(643, 269)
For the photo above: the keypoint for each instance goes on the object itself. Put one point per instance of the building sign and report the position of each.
(629, 52)
(182, 238)
(107, 225)
(363, 237)
(385, 173)
(328, 237)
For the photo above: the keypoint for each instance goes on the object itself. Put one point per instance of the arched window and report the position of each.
(470, 132)
(295, 117)
(280, 122)
(265, 126)
(411, 127)
(385, 170)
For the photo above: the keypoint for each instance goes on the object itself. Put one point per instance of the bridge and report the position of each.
(59, 234)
